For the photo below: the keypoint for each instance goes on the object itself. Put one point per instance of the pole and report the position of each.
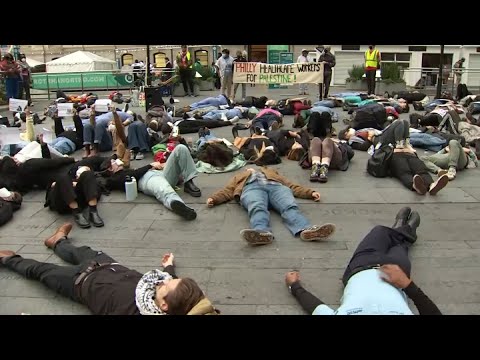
(148, 78)
(440, 73)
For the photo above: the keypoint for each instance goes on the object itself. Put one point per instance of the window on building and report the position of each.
(202, 56)
(127, 59)
(417, 48)
(401, 59)
(159, 60)
(350, 47)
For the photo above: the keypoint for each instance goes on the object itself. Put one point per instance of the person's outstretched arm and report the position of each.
(168, 266)
(307, 300)
(397, 277)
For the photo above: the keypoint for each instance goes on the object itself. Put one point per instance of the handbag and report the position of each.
(379, 163)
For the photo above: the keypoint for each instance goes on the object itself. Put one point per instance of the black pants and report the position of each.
(370, 75)
(431, 119)
(398, 130)
(405, 166)
(64, 193)
(325, 87)
(77, 138)
(411, 96)
(186, 77)
(382, 245)
(24, 86)
(192, 126)
(61, 279)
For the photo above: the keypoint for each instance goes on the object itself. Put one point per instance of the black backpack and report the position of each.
(6, 212)
(379, 163)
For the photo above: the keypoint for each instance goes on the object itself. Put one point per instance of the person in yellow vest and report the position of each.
(185, 70)
(372, 63)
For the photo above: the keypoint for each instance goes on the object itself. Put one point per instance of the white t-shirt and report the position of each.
(225, 66)
(304, 59)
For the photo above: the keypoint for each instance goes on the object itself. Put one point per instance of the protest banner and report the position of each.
(65, 109)
(103, 105)
(17, 105)
(287, 74)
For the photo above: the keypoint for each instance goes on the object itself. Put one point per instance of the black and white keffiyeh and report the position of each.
(146, 289)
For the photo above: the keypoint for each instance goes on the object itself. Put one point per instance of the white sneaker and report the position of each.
(234, 120)
(140, 156)
(452, 173)
(132, 156)
(223, 116)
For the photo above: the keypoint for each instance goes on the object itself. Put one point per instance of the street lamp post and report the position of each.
(16, 52)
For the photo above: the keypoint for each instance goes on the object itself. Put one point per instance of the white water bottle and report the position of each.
(131, 190)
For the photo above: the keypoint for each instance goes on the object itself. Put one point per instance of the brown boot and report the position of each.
(6, 253)
(87, 150)
(61, 232)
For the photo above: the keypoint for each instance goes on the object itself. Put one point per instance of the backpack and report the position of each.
(379, 163)
(6, 212)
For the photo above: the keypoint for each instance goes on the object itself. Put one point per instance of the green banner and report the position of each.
(286, 58)
(274, 57)
(87, 80)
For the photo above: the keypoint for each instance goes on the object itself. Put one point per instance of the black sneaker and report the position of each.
(183, 210)
(323, 174)
(315, 173)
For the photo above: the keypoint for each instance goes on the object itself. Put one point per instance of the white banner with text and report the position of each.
(285, 74)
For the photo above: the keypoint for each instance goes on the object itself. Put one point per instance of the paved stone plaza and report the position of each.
(239, 279)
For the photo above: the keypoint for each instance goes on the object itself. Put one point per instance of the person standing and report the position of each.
(372, 63)
(11, 71)
(241, 57)
(328, 60)
(304, 58)
(458, 69)
(225, 68)
(185, 70)
(25, 76)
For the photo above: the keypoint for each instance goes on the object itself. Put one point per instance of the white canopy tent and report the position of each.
(80, 61)
(33, 63)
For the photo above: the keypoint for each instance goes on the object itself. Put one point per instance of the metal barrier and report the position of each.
(427, 78)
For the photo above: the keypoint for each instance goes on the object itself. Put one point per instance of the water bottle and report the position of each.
(30, 129)
(131, 191)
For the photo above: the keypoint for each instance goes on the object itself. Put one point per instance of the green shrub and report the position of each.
(391, 73)
(356, 73)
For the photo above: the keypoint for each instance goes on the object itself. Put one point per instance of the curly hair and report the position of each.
(216, 154)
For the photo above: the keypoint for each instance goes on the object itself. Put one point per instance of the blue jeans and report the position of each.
(264, 121)
(217, 114)
(161, 183)
(97, 134)
(63, 145)
(427, 141)
(138, 136)
(256, 199)
(324, 103)
(211, 101)
(201, 141)
(11, 85)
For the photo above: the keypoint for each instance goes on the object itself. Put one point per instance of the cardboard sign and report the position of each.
(47, 135)
(17, 105)
(103, 105)
(65, 109)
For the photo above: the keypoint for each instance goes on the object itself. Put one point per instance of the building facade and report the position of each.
(417, 61)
